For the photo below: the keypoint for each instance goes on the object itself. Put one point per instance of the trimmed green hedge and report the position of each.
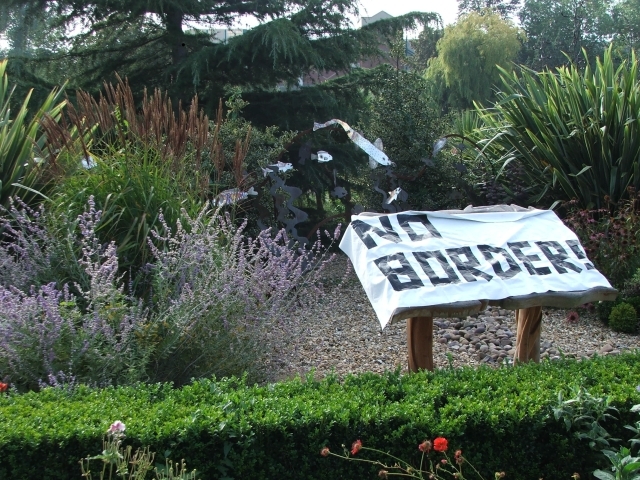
(501, 418)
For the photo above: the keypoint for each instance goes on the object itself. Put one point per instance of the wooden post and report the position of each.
(529, 327)
(420, 343)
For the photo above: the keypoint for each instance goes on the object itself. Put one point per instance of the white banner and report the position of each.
(415, 259)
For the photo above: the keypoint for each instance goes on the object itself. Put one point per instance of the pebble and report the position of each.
(345, 337)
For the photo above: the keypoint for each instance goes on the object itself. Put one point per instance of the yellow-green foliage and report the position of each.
(468, 55)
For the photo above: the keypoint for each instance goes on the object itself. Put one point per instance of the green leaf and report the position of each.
(602, 475)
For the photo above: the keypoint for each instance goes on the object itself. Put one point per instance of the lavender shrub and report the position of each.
(25, 246)
(218, 292)
(216, 295)
(45, 337)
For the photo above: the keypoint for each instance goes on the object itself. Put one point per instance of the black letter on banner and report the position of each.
(574, 245)
(364, 231)
(392, 273)
(514, 268)
(466, 268)
(557, 259)
(423, 257)
(404, 219)
(516, 247)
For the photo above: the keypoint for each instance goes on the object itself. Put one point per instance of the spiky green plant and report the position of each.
(133, 188)
(576, 133)
(21, 138)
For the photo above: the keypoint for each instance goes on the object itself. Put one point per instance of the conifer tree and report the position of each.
(169, 43)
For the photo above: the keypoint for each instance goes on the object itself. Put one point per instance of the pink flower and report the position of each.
(573, 317)
(117, 428)
(425, 446)
(355, 448)
(324, 452)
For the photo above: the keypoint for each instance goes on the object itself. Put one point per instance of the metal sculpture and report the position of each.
(284, 195)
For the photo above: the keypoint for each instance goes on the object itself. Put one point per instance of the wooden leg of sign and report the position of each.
(420, 343)
(529, 325)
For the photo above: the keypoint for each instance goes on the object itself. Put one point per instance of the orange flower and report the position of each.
(324, 452)
(425, 446)
(440, 444)
(355, 448)
(4, 387)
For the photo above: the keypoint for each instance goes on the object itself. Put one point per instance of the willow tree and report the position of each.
(469, 53)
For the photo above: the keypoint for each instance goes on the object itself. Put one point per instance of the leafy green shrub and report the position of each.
(610, 240)
(584, 414)
(623, 318)
(132, 187)
(633, 301)
(409, 123)
(603, 310)
(502, 418)
(576, 133)
(625, 466)
(631, 290)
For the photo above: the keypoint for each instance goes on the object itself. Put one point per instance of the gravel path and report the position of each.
(348, 339)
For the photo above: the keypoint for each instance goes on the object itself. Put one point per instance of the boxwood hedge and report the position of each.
(501, 418)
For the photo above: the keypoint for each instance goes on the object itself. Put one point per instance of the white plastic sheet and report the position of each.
(414, 259)
(368, 147)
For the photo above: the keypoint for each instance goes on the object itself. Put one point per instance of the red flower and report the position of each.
(324, 452)
(440, 444)
(355, 448)
(573, 317)
(4, 387)
(425, 446)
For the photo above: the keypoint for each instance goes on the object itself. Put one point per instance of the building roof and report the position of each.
(382, 15)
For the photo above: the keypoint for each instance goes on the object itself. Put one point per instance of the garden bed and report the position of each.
(319, 339)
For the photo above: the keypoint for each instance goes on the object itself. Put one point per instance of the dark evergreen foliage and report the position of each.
(151, 43)
(558, 30)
